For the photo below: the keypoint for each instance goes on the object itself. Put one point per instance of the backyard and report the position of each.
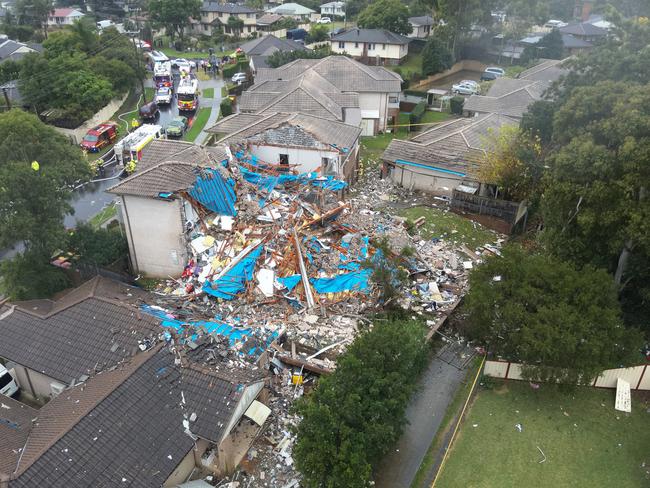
(585, 442)
(199, 122)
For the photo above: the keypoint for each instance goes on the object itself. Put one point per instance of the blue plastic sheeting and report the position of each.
(355, 281)
(234, 281)
(215, 192)
(432, 168)
(290, 281)
(257, 340)
(351, 263)
(266, 182)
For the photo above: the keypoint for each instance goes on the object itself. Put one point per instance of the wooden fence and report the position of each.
(637, 376)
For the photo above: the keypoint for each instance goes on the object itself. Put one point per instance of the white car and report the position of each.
(466, 87)
(324, 20)
(8, 384)
(182, 64)
(164, 95)
(497, 71)
(238, 77)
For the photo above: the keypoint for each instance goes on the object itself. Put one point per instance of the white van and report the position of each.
(8, 384)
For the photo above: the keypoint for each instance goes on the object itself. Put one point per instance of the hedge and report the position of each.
(456, 105)
(226, 107)
(417, 113)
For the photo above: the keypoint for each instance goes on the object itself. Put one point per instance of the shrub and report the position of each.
(456, 105)
(417, 113)
(226, 107)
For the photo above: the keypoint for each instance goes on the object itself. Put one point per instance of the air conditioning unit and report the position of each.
(57, 389)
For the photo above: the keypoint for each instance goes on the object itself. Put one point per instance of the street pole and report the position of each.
(137, 56)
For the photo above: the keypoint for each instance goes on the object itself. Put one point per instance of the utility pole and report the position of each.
(4, 91)
(137, 57)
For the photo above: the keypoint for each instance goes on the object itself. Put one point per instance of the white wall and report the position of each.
(375, 102)
(154, 229)
(352, 116)
(425, 180)
(28, 378)
(388, 51)
(308, 159)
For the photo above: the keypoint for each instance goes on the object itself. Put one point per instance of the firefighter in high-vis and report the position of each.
(134, 124)
(130, 166)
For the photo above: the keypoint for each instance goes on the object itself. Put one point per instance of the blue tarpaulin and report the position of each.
(269, 182)
(290, 281)
(234, 281)
(215, 192)
(355, 281)
(234, 334)
(352, 263)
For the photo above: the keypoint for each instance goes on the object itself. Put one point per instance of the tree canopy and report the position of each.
(355, 414)
(562, 323)
(173, 15)
(391, 15)
(436, 57)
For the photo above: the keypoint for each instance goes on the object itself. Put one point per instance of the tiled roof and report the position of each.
(234, 123)
(572, 42)
(291, 9)
(134, 437)
(15, 425)
(261, 45)
(84, 334)
(548, 70)
(325, 131)
(63, 12)
(344, 73)
(457, 145)
(160, 150)
(371, 35)
(423, 20)
(229, 8)
(267, 19)
(165, 177)
(585, 29)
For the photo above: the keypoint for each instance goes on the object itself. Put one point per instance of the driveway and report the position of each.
(437, 387)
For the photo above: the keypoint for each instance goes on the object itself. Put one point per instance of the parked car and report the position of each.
(149, 111)
(182, 64)
(466, 87)
(238, 78)
(324, 20)
(164, 95)
(8, 384)
(99, 137)
(177, 127)
(336, 32)
(297, 34)
(488, 76)
(497, 71)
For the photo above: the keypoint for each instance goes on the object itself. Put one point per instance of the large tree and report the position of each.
(562, 323)
(436, 57)
(174, 15)
(37, 167)
(391, 15)
(34, 13)
(354, 415)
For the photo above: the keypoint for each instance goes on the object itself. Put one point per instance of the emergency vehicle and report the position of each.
(99, 137)
(128, 151)
(188, 94)
(162, 74)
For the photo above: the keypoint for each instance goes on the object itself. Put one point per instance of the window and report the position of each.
(392, 99)
(356, 44)
(341, 45)
(371, 46)
(383, 46)
(250, 28)
(284, 159)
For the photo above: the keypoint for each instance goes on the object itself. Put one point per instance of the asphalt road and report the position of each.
(437, 387)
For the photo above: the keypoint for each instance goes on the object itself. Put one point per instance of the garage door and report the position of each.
(367, 127)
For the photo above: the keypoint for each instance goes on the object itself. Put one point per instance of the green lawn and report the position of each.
(173, 53)
(586, 442)
(104, 215)
(208, 92)
(200, 120)
(513, 71)
(450, 226)
(413, 64)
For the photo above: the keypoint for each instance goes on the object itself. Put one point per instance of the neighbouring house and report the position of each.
(63, 16)
(422, 26)
(330, 9)
(572, 44)
(158, 247)
(584, 31)
(15, 50)
(306, 143)
(294, 10)
(513, 96)
(335, 87)
(258, 50)
(371, 46)
(214, 18)
(599, 21)
(133, 409)
(445, 157)
(268, 22)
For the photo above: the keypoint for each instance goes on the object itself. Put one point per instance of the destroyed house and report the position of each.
(335, 87)
(445, 157)
(512, 96)
(140, 419)
(306, 143)
(157, 204)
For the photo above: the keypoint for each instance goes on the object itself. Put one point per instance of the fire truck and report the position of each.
(162, 74)
(128, 151)
(188, 94)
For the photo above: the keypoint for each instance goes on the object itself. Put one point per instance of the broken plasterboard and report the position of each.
(258, 412)
(202, 244)
(623, 396)
(265, 280)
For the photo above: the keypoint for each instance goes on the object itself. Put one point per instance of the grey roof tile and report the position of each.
(15, 425)
(371, 35)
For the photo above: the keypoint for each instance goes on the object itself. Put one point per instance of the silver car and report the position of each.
(466, 87)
